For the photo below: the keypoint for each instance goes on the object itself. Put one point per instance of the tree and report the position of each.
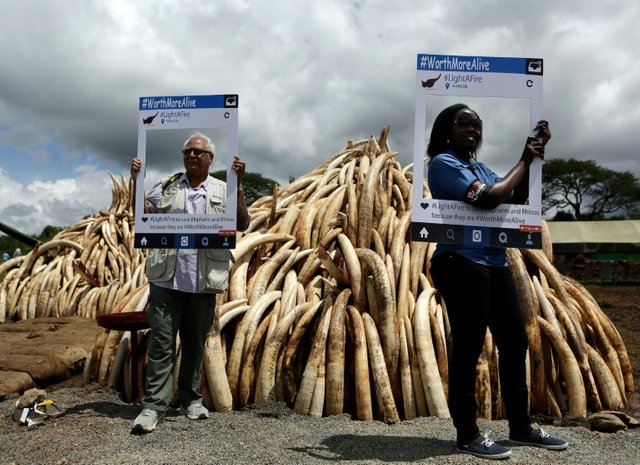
(563, 216)
(255, 185)
(24, 242)
(587, 190)
(9, 244)
(49, 232)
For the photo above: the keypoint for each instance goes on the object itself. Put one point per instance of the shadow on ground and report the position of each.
(351, 447)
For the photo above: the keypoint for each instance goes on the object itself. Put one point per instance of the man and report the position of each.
(183, 283)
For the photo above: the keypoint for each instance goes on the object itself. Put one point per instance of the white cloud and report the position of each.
(310, 76)
(62, 202)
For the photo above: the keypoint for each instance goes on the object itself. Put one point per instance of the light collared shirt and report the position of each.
(185, 276)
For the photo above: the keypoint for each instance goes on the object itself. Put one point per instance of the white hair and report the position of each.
(199, 135)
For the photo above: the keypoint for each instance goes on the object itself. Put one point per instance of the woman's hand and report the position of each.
(542, 131)
(535, 145)
(533, 148)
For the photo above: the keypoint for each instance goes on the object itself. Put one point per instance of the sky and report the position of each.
(311, 75)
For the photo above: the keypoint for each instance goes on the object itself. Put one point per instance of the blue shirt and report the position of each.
(452, 178)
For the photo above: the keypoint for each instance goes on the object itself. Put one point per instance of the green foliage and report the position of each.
(563, 216)
(587, 190)
(49, 233)
(10, 244)
(255, 185)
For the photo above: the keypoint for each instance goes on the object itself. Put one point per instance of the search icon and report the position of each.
(502, 237)
(205, 242)
(163, 241)
(451, 235)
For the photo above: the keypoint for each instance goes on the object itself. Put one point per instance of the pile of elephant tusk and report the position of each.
(330, 306)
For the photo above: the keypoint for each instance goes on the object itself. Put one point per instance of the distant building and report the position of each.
(616, 239)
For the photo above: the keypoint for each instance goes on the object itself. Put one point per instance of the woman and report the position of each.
(476, 284)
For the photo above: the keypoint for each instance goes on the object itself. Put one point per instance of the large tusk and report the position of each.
(431, 382)
(381, 379)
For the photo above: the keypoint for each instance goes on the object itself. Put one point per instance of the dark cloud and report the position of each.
(310, 76)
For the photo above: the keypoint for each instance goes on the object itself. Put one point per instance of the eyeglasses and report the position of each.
(196, 152)
(465, 122)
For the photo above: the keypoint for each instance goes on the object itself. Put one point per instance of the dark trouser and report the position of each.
(171, 313)
(478, 296)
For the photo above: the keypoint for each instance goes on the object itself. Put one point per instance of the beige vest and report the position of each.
(213, 264)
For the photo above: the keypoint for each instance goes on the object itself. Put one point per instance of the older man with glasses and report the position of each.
(183, 283)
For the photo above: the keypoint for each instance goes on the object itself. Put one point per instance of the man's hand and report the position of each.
(136, 165)
(239, 167)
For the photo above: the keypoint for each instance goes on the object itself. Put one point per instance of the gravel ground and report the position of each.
(95, 429)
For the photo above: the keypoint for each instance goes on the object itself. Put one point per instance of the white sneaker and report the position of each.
(197, 411)
(147, 421)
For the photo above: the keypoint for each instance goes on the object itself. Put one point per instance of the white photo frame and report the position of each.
(183, 115)
(456, 222)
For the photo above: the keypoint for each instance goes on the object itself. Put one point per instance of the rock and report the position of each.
(572, 420)
(628, 420)
(30, 397)
(606, 422)
(544, 419)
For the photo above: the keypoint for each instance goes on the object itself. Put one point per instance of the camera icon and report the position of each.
(184, 241)
(535, 67)
(476, 235)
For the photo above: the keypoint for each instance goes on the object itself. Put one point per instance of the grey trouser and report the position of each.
(171, 313)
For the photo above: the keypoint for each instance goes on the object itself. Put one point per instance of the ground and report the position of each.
(96, 424)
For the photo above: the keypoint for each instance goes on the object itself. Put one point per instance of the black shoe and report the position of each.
(485, 448)
(540, 438)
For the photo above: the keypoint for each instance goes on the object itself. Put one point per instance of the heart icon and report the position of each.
(144, 219)
(424, 204)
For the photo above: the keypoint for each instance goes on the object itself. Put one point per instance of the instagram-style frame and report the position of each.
(187, 231)
(456, 222)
